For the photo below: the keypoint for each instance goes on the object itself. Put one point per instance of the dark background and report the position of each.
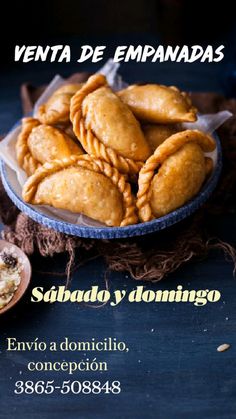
(166, 21)
(174, 20)
(113, 23)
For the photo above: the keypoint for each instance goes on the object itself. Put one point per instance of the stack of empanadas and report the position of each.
(118, 158)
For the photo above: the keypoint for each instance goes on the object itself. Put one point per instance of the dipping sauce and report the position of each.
(10, 275)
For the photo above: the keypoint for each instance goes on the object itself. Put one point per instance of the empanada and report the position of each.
(23, 154)
(155, 134)
(158, 104)
(57, 108)
(106, 127)
(37, 144)
(182, 169)
(83, 184)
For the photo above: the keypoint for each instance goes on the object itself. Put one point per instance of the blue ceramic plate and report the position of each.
(38, 214)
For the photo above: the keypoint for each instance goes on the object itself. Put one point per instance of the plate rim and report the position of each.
(133, 230)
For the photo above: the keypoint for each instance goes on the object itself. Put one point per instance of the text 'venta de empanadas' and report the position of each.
(107, 128)
(38, 143)
(158, 104)
(174, 173)
(57, 108)
(83, 184)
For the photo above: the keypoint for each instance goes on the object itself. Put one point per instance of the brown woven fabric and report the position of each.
(148, 258)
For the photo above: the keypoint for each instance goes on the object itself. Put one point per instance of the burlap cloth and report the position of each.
(148, 258)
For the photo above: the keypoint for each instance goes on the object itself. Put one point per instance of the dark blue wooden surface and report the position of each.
(172, 370)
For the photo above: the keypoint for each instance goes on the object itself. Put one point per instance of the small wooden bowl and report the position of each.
(25, 275)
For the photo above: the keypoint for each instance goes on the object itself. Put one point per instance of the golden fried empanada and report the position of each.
(179, 178)
(106, 127)
(159, 104)
(23, 154)
(182, 169)
(155, 134)
(37, 144)
(48, 143)
(83, 184)
(57, 108)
